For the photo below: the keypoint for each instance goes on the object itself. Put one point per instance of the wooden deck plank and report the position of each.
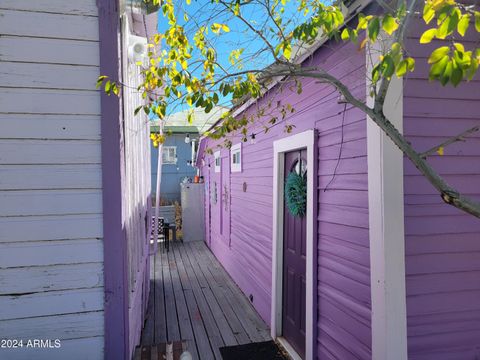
(173, 330)
(201, 339)
(218, 315)
(160, 319)
(217, 285)
(213, 332)
(185, 325)
(245, 313)
(255, 327)
(154, 353)
(148, 333)
(193, 299)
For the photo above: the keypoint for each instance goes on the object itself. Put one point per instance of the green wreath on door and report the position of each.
(296, 193)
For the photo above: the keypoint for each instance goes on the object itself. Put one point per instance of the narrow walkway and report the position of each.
(192, 298)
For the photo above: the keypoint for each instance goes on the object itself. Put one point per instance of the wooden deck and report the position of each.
(192, 298)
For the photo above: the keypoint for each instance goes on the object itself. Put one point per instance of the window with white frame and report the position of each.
(236, 158)
(218, 161)
(169, 155)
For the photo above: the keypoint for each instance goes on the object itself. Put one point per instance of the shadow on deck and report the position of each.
(193, 299)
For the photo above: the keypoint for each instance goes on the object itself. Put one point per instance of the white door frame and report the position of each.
(306, 139)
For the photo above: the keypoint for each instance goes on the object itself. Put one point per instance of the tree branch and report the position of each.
(449, 194)
(454, 139)
(256, 31)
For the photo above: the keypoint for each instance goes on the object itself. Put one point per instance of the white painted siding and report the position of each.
(51, 248)
(136, 190)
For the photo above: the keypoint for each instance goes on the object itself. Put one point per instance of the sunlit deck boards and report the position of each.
(192, 298)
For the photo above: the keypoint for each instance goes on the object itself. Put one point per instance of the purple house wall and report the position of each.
(442, 243)
(244, 246)
(442, 248)
(126, 183)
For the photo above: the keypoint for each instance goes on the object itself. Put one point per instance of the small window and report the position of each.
(218, 161)
(169, 155)
(236, 158)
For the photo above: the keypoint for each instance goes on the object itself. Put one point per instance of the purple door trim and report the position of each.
(114, 239)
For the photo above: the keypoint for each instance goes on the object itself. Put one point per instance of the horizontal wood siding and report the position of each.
(51, 248)
(136, 195)
(442, 243)
(343, 247)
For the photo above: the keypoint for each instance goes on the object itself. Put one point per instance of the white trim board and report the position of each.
(302, 140)
(217, 156)
(386, 231)
(236, 149)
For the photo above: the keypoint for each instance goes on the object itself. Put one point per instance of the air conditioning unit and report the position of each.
(137, 48)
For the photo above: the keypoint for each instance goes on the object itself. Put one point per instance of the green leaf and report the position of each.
(389, 24)
(463, 24)
(100, 80)
(373, 28)
(410, 64)
(438, 68)
(477, 21)
(447, 73)
(215, 98)
(287, 50)
(363, 21)
(108, 86)
(115, 89)
(438, 54)
(472, 70)
(442, 31)
(396, 49)
(459, 47)
(463, 59)
(428, 13)
(236, 9)
(376, 74)
(427, 36)
(457, 74)
(389, 66)
(402, 68)
(190, 117)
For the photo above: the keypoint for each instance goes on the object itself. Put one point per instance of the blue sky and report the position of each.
(200, 11)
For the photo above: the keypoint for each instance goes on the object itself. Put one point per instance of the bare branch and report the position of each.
(454, 139)
(449, 194)
(256, 31)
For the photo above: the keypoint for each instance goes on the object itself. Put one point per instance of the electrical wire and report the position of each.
(340, 153)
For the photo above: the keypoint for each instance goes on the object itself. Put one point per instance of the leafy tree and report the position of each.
(189, 68)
